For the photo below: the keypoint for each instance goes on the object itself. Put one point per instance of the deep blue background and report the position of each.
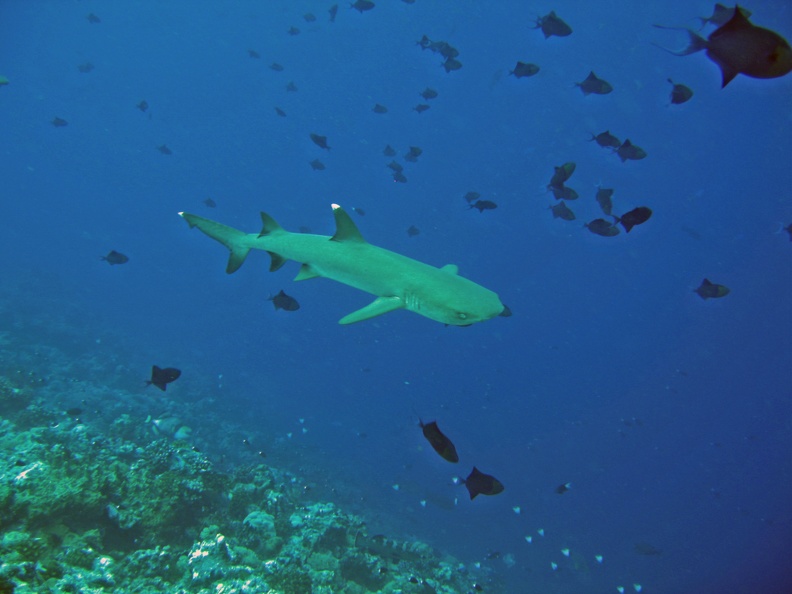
(671, 416)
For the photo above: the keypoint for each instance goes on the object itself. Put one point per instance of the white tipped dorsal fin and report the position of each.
(346, 230)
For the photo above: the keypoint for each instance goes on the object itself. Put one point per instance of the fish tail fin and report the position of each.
(697, 42)
(232, 238)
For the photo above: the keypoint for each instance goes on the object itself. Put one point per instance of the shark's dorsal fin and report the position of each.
(306, 272)
(450, 268)
(381, 305)
(346, 230)
(270, 225)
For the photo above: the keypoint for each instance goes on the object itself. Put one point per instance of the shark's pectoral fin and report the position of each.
(306, 272)
(381, 305)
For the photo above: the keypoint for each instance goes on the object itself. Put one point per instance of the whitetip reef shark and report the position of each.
(399, 282)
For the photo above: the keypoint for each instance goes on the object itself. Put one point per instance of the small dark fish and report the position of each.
(562, 174)
(143, 105)
(85, 68)
(472, 197)
(594, 85)
(291, 87)
(413, 231)
(561, 489)
(320, 141)
(276, 67)
(162, 377)
(115, 257)
(478, 483)
(309, 17)
(644, 548)
(317, 165)
(428, 93)
(389, 151)
(254, 54)
(483, 205)
(284, 302)
(74, 411)
(630, 152)
(452, 64)
(708, 290)
(379, 108)
(679, 93)
(395, 166)
(293, 31)
(605, 200)
(163, 148)
(210, 203)
(93, 19)
(439, 442)
(421, 107)
(445, 49)
(602, 227)
(59, 122)
(280, 112)
(551, 26)
(523, 69)
(413, 154)
(721, 15)
(606, 139)
(788, 229)
(424, 42)
(562, 211)
(362, 5)
(636, 216)
(739, 47)
(493, 555)
(399, 177)
(563, 192)
(359, 211)
(333, 10)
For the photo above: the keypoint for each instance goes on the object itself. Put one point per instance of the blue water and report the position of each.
(670, 415)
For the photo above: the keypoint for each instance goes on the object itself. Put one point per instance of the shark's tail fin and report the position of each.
(228, 236)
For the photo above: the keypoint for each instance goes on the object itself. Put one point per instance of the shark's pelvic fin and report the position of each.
(228, 236)
(381, 305)
(306, 272)
(346, 230)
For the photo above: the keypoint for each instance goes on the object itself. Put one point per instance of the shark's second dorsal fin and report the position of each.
(270, 225)
(450, 268)
(346, 230)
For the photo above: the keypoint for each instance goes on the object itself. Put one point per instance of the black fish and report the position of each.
(472, 196)
(253, 54)
(562, 173)
(562, 211)
(636, 216)
(280, 112)
(317, 165)
(362, 5)
(85, 68)
(210, 203)
(399, 177)
(59, 122)
(739, 47)
(563, 192)
(439, 442)
(602, 227)
(551, 26)
(561, 489)
(162, 377)
(413, 154)
(284, 302)
(595, 85)
(309, 17)
(421, 107)
(413, 231)
(115, 257)
(708, 290)
(630, 152)
(483, 205)
(379, 108)
(163, 148)
(320, 141)
(291, 87)
(606, 139)
(605, 200)
(721, 15)
(788, 229)
(293, 31)
(359, 211)
(276, 67)
(523, 69)
(333, 10)
(395, 166)
(680, 93)
(74, 411)
(428, 93)
(93, 19)
(143, 105)
(478, 483)
(452, 64)
(389, 151)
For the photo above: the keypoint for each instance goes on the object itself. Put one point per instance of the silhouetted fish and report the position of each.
(320, 141)
(788, 229)
(563, 192)
(362, 5)
(472, 196)
(630, 152)
(317, 165)
(561, 489)
(721, 15)
(115, 257)
(395, 166)
(379, 108)
(452, 64)
(143, 105)
(428, 93)
(333, 10)
(562, 211)
(562, 173)
(439, 442)
(162, 377)
(276, 67)
(636, 216)
(421, 107)
(389, 151)
(606, 139)
(93, 19)
(291, 87)
(399, 177)
(59, 122)
(478, 483)
(309, 17)
(709, 290)
(85, 68)
(605, 200)
(413, 231)
(413, 154)
(280, 112)
(523, 69)
(293, 31)
(163, 148)
(679, 93)
(359, 211)
(551, 26)
(74, 411)
(210, 203)
(483, 205)
(284, 302)
(594, 85)
(253, 54)
(739, 47)
(602, 227)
